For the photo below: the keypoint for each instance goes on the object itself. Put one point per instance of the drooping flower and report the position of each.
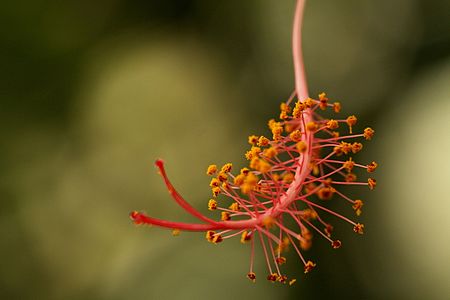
(280, 199)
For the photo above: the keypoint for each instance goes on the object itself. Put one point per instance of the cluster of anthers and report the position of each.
(276, 201)
(279, 200)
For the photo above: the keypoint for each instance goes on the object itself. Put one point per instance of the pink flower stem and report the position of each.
(301, 90)
(301, 87)
(177, 197)
(140, 218)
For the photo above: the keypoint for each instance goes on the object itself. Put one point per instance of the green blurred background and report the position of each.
(91, 92)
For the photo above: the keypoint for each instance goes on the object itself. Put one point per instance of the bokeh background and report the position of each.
(91, 92)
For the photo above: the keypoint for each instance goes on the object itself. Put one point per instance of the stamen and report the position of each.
(286, 177)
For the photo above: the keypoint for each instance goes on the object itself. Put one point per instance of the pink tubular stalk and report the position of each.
(301, 88)
(289, 180)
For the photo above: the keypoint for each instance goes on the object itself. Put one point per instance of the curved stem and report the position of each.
(301, 89)
(299, 69)
(140, 218)
(177, 197)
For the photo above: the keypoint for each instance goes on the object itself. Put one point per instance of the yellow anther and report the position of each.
(336, 244)
(238, 180)
(288, 178)
(292, 281)
(368, 133)
(280, 260)
(214, 182)
(270, 152)
(268, 222)
(252, 153)
(246, 188)
(234, 206)
(359, 228)
(328, 230)
(336, 107)
(328, 181)
(288, 127)
(226, 168)
(349, 165)
(213, 237)
(254, 163)
(298, 109)
(245, 237)
(275, 177)
(301, 147)
(371, 167)
(271, 123)
(296, 136)
(277, 129)
(357, 207)
(311, 126)
(176, 232)
(260, 165)
(209, 235)
(306, 234)
(215, 191)
(372, 183)
(248, 155)
(273, 277)
(351, 121)
(211, 169)
(323, 101)
(347, 147)
(305, 244)
(255, 152)
(217, 239)
(309, 214)
(350, 177)
(212, 204)
(343, 148)
(309, 103)
(356, 147)
(249, 184)
(335, 134)
(284, 115)
(225, 216)
(326, 193)
(252, 139)
(282, 278)
(332, 124)
(225, 186)
(315, 168)
(245, 171)
(285, 107)
(251, 276)
(309, 266)
(222, 176)
(282, 246)
(263, 166)
(263, 141)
